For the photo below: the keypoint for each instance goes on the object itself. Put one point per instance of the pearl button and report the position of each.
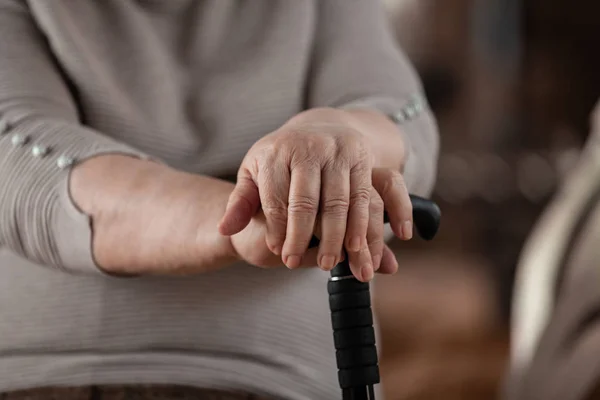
(18, 140)
(39, 151)
(410, 112)
(399, 117)
(419, 106)
(64, 162)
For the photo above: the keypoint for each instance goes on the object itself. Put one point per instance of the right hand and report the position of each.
(318, 169)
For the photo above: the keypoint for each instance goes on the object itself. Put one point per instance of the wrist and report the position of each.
(386, 138)
(104, 187)
(98, 184)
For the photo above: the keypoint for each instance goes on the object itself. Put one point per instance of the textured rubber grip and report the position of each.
(344, 301)
(356, 377)
(356, 357)
(356, 337)
(351, 318)
(353, 332)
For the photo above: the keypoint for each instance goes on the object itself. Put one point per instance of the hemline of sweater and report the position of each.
(289, 382)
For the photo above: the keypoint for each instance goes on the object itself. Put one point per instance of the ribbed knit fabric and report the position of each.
(193, 83)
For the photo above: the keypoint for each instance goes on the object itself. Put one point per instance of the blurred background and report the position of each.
(512, 83)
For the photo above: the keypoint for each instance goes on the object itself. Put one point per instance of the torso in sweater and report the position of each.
(194, 84)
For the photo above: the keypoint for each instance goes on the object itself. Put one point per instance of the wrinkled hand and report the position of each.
(317, 171)
(250, 245)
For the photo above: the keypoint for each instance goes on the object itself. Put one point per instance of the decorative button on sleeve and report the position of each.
(410, 111)
(39, 151)
(64, 162)
(19, 140)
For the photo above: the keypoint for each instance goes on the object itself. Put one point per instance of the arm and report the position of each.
(42, 132)
(357, 66)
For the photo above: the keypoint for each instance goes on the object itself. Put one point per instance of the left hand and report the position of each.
(318, 169)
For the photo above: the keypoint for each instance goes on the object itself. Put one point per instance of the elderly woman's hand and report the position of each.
(250, 246)
(318, 170)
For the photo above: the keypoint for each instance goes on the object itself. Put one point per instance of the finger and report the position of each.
(389, 264)
(274, 186)
(243, 203)
(392, 189)
(303, 205)
(335, 203)
(375, 231)
(356, 244)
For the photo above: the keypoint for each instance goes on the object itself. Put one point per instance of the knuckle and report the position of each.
(348, 148)
(394, 179)
(360, 197)
(337, 162)
(275, 213)
(335, 207)
(343, 144)
(312, 163)
(358, 148)
(306, 160)
(376, 244)
(303, 205)
(362, 171)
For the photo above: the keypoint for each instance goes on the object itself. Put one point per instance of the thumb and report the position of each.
(243, 204)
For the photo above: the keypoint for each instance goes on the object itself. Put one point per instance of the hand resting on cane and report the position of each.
(332, 169)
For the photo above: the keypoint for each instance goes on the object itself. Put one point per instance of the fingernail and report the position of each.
(327, 263)
(293, 261)
(355, 244)
(407, 230)
(366, 272)
(376, 262)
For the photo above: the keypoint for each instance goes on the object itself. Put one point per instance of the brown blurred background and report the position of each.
(512, 83)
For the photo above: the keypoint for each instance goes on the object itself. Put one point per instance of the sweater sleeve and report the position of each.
(356, 63)
(41, 137)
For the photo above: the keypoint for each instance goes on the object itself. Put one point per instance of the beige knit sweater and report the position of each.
(193, 83)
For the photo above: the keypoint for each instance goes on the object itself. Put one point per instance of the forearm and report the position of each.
(411, 146)
(128, 199)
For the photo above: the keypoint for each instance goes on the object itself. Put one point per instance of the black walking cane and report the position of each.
(352, 318)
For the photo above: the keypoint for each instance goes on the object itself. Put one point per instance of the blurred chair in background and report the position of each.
(512, 83)
(556, 318)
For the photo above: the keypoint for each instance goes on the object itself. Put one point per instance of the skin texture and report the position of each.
(330, 168)
(150, 219)
(326, 172)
